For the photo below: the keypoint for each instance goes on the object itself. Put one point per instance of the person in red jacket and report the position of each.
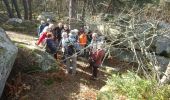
(44, 33)
(96, 62)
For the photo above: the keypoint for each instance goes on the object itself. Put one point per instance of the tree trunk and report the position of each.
(109, 7)
(10, 14)
(83, 12)
(30, 9)
(93, 6)
(72, 14)
(25, 4)
(16, 8)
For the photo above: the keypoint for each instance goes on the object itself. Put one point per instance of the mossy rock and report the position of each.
(35, 60)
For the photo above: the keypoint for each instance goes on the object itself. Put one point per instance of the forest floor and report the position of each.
(55, 85)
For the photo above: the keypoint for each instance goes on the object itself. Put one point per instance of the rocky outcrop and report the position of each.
(33, 57)
(8, 53)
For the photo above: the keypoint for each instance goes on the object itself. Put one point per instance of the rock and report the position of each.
(14, 20)
(45, 61)
(8, 53)
(123, 55)
(128, 56)
(163, 46)
(32, 56)
(163, 42)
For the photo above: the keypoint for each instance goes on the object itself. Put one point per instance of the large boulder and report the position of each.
(163, 42)
(32, 57)
(8, 53)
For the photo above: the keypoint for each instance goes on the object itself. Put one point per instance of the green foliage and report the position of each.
(134, 87)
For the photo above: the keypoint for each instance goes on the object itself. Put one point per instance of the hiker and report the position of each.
(96, 60)
(51, 46)
(68, 48)
(76, 31)
(63, 44)
(58, 32)
(44, 33)
(89, 37)
(97, 53)
(73, 38)
(82, 41)
(41, 27)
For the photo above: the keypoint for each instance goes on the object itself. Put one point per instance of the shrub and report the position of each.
(133, 87)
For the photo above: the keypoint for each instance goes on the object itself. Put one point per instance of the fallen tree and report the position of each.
(144, 34)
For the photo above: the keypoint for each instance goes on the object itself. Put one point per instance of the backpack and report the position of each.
(70, 50)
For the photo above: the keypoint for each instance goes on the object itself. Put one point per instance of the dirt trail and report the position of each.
(57, 85)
